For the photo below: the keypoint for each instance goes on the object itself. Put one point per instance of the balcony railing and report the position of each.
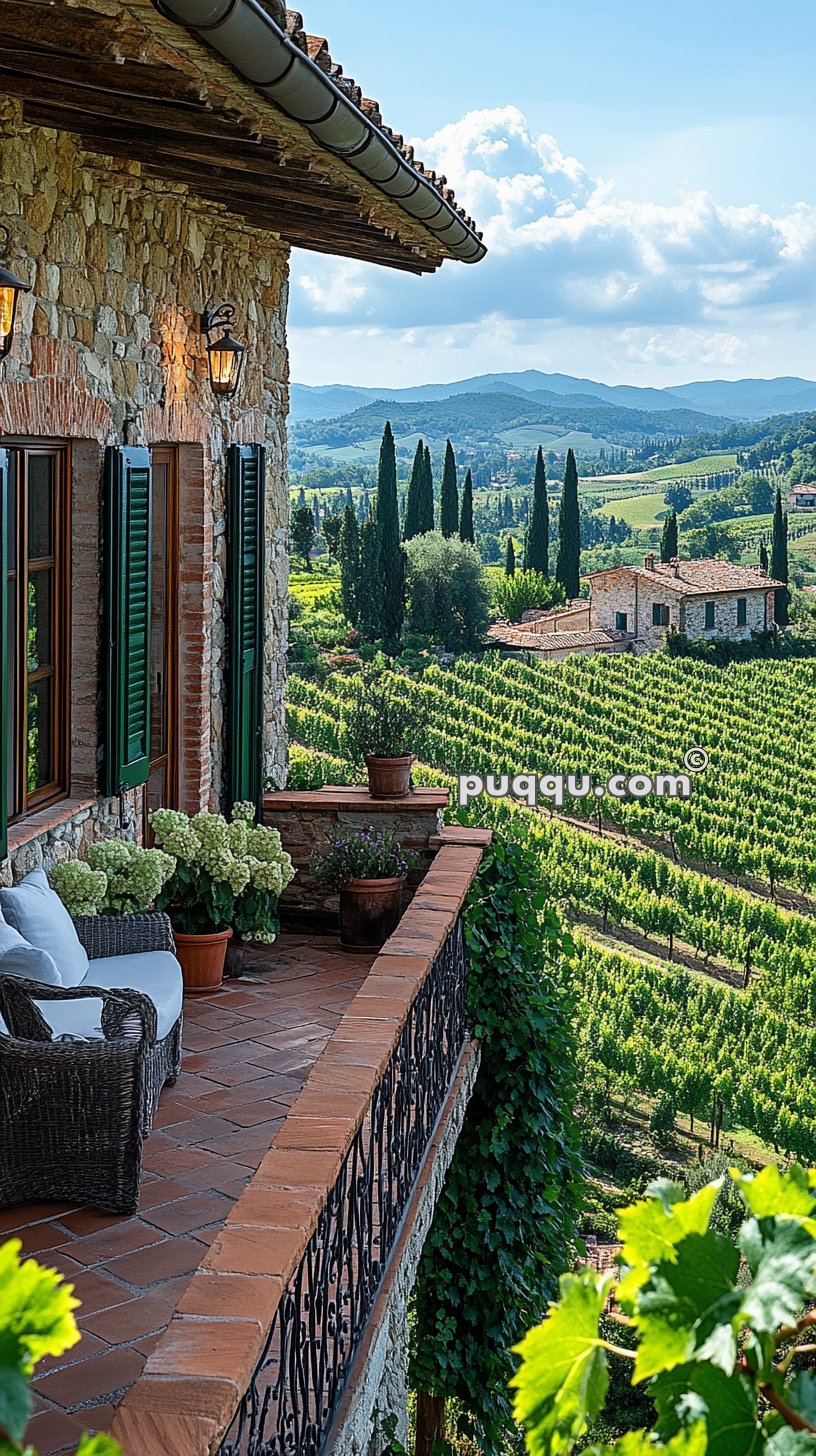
(319, 1322)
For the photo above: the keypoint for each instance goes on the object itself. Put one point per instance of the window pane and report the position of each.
(40, 765)
(40, 639)
(40, 506)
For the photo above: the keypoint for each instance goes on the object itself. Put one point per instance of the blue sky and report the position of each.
(644, 174)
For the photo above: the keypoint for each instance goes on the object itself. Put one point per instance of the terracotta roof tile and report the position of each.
(316, 47)
(504, 634)
(699, 578)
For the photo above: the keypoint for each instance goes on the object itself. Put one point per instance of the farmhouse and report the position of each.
(158, 162)
(699, 598)
(155, 178)
(802, 498)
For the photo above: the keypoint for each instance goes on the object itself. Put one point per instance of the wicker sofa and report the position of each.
(82, 1067)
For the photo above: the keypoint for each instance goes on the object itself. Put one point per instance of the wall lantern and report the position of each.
(225, 355)
(10, 289)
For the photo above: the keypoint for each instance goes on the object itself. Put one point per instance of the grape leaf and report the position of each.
(725, 1403)
(651, 1230)
(689, 1308)
(563, 1380)
(781, 1254)
(770, 1192)
(800, 1392)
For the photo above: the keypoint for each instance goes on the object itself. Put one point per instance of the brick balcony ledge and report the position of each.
(279, 1077)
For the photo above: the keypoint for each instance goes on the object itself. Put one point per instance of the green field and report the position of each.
(308, 586)
(529, 437)
(703, 465)
(641, 512)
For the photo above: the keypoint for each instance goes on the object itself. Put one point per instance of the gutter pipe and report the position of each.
(247, 37)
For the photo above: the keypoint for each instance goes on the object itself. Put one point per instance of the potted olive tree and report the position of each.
(375, 729)
(368, 867)
(228, 877)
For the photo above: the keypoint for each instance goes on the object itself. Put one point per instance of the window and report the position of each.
(709, 617)
(621, 622)
(660, 614)
(742, 611)
(36, 585)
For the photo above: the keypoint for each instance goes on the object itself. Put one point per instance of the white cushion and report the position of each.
(80, 1018)
(18, 958)
(37, 912)
(155, 973)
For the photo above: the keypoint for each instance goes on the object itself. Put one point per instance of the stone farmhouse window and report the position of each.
(660, 614)
(621, 622)
(35, 559)
(742, 611)
(709, 616)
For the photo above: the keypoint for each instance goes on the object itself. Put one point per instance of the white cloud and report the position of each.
(567, 252)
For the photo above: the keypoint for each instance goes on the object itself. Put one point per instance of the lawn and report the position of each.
(641, 512)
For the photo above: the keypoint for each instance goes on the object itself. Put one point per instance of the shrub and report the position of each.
(514, 595)
(227, 875)
(118, 878)
(375, 721)
(661, 1121)
(447, 591)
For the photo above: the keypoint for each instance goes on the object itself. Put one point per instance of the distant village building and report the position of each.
(705, 598)
(802, 498)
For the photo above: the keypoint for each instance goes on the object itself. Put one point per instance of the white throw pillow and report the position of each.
(38, 914)
(18, 958)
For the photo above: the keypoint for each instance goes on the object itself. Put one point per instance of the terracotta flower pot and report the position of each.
(369, 912)
(201, 958)
(389, 778)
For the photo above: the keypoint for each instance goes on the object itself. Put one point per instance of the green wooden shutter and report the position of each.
(5, 657)
(246, 596)
(128, 539)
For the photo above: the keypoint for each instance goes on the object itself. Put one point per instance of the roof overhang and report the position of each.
(134, 84)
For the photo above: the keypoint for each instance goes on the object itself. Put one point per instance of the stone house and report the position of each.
(153, 180)
(699, 598)
(802, 498)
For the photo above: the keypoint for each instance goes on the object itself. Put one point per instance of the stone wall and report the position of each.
(379, 1390)
(108, 347)
(305, 820)
(759, 615)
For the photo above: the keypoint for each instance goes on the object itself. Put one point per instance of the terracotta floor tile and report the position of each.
(226, 1176)
(161, 1190)
(193, 1212)
(88, 1345)
(25, 1214)
(159, 1262)
(98, 1248)
(87, 1380)
(53, 1430)
(245, 1139)
(93, 1289)
(147, 1312)
(40, 1238)
(88, 1221)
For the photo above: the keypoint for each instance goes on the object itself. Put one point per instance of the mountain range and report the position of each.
(738, 399)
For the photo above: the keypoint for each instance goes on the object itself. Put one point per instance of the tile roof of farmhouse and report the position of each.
(504, 634)
(698, 578)
(235, 100)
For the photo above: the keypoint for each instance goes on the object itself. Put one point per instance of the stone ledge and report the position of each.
(44, 820)
(461, 834)
(355, 800)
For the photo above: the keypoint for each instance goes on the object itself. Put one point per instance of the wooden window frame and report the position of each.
(742, 611)
(660, 614)
(20, 451)
(709, 611)
(622, 616)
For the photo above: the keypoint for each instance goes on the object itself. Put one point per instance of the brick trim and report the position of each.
(197, 1373)
(354, 800)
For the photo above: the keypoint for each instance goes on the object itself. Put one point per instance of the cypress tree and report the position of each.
(348, 555)
(466, 517)
(414, 508)
(763, 557)
(449, 499)
(392, 560)
(779, 561)
(349, 496)
(538, 536)
(568, 561)
(369, 588)
(668, 537)
(510, 558)
(427, 512)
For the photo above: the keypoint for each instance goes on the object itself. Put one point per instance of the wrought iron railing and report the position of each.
(307, 1357)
